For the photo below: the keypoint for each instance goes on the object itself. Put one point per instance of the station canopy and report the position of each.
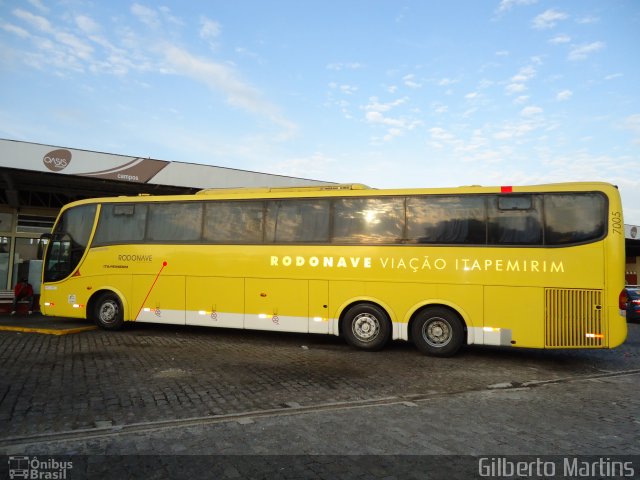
(46, 176)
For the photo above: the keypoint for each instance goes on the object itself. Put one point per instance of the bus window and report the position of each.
(368, 220)
(121, 223)
(515, 202)
(304, 221)
(574, 217)
(174, 222)
(515, 220)
(233, 222)
(447, 220)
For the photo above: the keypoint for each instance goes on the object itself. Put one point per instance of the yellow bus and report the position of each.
(538, 266)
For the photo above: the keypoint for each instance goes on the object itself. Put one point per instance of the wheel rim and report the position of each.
(365, 327)
(437, 332)
(108, 312)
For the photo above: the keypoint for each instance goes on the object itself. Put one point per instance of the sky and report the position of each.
(389, 93)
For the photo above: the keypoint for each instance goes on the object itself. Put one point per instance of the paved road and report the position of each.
(156, 390)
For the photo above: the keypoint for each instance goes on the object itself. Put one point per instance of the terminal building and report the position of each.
(37, 180)
(632, 243)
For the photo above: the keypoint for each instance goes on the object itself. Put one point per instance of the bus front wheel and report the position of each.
(107, 312)
(438, 331)
(366, 326)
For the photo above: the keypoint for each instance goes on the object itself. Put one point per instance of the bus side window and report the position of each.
(515, 220)
(233, 222)
(369, 220)
(174, 222)
(447, 219)
(574, 217)
(121, 223)
(303, 221)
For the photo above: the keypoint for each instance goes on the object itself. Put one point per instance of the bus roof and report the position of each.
(350, 190)
(311, 188)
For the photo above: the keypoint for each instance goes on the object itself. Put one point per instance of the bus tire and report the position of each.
(366, 326)
(107, 312)
(438, 331)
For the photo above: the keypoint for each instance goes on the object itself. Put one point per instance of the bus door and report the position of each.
(318, 306)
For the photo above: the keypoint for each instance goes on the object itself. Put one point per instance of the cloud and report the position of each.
(317, 165)
(445, 82)
(169, 17)
(469, 112)
(222, 78)
(515, 88)
(87, 24)
(392, 133)
(440, 108)
(559, 39)
(398, 124)
(586, 20)
(581, 52)
(524, 74)
(515, 130)
(348, 89)
(344, 88)
(548, 19)
(39, 5)
(613, 76)
(377, 117)
(517, 83)
(531, 111)
(146, 15)
(632, 123)
(564, 95)
(477, 149)
(20, 32)
(40, 23)
(409, 81)
(376, 106)
(68, 48)
(78, 43)
(506, 5)
(375, 114)
(344, 66)
(75, 44)
(439, 134)
(209, 29)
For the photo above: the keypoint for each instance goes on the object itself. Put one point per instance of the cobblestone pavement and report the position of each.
(176, 390)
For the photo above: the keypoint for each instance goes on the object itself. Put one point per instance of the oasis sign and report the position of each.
(138, 170)
(57, 160)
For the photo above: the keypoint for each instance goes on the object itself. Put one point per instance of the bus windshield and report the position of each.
(69, 240)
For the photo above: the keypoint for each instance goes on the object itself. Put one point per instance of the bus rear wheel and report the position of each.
(366, 326)
(438, 331)
(107, 312)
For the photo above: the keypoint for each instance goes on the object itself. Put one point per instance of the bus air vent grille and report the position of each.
(573, 318)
